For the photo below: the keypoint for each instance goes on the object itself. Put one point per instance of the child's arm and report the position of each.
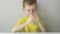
(16, 28)
(42, 28)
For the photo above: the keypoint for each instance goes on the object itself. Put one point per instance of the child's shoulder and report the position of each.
(23, 18)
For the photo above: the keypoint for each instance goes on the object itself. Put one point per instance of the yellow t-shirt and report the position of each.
(30, 27)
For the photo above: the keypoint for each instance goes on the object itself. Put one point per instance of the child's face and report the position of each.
(30, 9)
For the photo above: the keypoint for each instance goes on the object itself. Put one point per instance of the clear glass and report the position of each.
(35, 21)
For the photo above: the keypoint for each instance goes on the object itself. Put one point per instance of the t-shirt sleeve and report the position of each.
(42, 23)
(20, 21)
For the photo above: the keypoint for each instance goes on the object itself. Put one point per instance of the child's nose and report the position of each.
(31, 12)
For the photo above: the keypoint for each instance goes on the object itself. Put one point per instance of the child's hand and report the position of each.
(15, 29)
(37, 17)
(31, 17)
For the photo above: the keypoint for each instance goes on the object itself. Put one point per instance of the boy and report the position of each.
(25, 24)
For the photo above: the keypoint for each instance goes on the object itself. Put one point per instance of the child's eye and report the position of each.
(28, 10)
(33, 10)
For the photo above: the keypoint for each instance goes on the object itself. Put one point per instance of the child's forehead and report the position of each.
(30, 6)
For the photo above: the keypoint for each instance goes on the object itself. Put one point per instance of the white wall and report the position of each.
(50, 13)
(11, 12)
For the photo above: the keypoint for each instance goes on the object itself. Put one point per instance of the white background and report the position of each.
(11, 12)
